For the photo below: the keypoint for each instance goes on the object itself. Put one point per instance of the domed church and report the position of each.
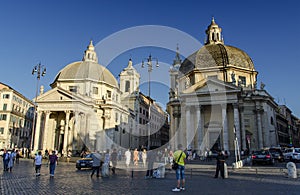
(82, 109)
(214, 102)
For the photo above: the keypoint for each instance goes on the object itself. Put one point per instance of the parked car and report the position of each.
(263, 157)
(277, 154)
(292, 154)
(85, 162)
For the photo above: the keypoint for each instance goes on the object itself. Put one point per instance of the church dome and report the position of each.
(215, 54)
(87, 69)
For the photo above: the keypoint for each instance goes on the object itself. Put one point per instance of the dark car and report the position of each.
(263, 157)
(85, 162)
(277, 154)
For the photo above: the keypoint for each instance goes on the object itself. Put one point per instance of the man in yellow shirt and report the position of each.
(179, 157)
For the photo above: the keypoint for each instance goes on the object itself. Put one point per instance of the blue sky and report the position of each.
(56, 33)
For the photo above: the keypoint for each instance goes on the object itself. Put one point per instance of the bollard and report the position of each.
(292, 170)
(225, 171)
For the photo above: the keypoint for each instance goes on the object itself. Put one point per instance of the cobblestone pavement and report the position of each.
(199, 180)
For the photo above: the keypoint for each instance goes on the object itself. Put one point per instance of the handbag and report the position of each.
(175, 164)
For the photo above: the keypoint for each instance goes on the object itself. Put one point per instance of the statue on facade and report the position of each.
(233, 78)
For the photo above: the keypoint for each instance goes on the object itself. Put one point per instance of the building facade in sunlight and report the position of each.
(16, 116)
(214, 102)
(86, 109)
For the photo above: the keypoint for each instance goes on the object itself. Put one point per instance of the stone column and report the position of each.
(71, 134)
(237, 123)
(199, 128)
(259, 127)
(188, 122)
(54, 134)
(47, 134)
(66, 131)
(37, 131)
(244, 146)
(225, 128)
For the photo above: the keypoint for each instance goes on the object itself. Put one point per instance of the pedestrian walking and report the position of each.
(97, 162)
(38, 163)
(179, 157)
(105, 166)
(53, 161)
(144, 157)
(220, 164)
(127, 157)
(135, 157)
(5, 157)
(11, 161)
(150, 159)
(17, 156)
(69, 154)
(114, 159)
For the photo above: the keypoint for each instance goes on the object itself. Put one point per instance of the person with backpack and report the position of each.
(53, 161)
(179, 158)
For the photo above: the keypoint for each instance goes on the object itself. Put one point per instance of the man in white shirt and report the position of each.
(38, 163)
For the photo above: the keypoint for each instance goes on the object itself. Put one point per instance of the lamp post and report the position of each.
(39, 70)
(150, 68)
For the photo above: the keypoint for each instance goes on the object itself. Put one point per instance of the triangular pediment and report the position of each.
(56, 94)
(211, 85)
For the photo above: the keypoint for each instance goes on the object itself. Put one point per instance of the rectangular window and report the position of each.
(73, 89)
(4, 107)
(5, 96)
(108, 94)
(3, 117)
(1, 130)
(242, 81)
(95, 90)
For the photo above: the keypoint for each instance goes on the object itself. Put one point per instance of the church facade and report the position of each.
(214, 102)
(81, 110)
(87, 109)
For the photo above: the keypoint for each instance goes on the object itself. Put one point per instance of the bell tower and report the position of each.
(129, 80)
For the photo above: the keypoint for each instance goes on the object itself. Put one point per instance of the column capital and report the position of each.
(47, 112)
(68, 111)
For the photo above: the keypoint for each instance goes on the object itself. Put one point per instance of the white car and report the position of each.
(292, 154)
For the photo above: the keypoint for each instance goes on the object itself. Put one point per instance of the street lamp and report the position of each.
(39, 70)
(150, 68)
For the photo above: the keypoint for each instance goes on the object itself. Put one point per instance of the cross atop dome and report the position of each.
(90, 55)
(213, 33)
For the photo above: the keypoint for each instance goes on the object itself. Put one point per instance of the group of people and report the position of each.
(52, 162)
(9, 159)
(12, 157)
(137, 156)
